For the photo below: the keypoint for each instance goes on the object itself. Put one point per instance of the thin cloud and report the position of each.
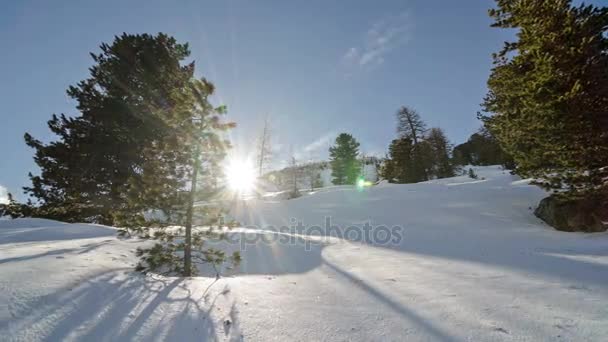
(320, 143)
(383, 37)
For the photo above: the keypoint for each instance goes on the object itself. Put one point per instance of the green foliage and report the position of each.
(345, 168)
(548, 93)
(398, 165)
(441, 164)
(14, 209)
(124, 141)
(145, 134)
(166, 256)
(481, 149)
(418, 153)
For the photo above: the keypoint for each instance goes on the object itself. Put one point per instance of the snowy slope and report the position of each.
(474, 264)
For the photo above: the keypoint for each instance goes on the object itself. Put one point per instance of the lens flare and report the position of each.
(240, 175)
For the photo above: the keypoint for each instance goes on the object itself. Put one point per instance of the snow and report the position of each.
(473, 264)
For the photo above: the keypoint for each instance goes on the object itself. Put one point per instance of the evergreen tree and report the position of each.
(398, 167)
(293, 177)
(122, 138)
(14, 209)
(147, 133)
(481, 149)
(411, 126)
(343, 160)
(440, 153)
(548, 93)
(200, 141)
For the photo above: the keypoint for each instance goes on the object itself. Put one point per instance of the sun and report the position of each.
(240, 175)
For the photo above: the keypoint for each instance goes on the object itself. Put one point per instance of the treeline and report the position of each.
(482, 148)
(419, 154)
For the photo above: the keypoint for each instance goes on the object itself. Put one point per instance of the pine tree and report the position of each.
(398, 167)
(146, 134)
(481, 149)
(293, 177)
(411, 126)
(122, 137)
(440, 153)
(14, 209)
(343, 159)
(204, 149)
(548, 93)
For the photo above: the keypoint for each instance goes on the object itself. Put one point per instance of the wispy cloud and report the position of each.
(382, 37)
(320, 143)
(3, 195)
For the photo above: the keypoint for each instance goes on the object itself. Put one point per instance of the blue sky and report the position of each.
(316, 68)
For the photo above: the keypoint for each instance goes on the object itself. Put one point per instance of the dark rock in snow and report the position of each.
(583, 215)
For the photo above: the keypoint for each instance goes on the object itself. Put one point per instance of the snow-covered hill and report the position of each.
(472, 264)
(276, 181)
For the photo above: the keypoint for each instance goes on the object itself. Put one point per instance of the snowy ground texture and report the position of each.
(474, 264)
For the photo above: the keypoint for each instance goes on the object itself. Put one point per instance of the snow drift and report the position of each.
(473, 264)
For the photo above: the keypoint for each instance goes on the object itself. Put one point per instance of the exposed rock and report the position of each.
(581, 215)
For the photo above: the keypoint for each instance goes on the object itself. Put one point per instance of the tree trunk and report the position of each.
(189, 214)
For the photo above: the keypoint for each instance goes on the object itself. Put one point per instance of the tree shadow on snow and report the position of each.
(53, 231)
(120, 306)
(269, 253)
(431, 328)
(82, 250)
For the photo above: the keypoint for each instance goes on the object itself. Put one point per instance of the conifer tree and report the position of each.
(398, 167)
(548, 93)
(343, 160)
(14, 209)
(146, 134)
(411, 126)
(481, 149)
(122, 138)
(440, 153)
(204, 149)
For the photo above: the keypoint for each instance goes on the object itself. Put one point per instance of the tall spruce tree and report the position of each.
(440, 150)
(345, 169)
(135, 95)
(398, 167)
(548, 93)
(145, 135)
